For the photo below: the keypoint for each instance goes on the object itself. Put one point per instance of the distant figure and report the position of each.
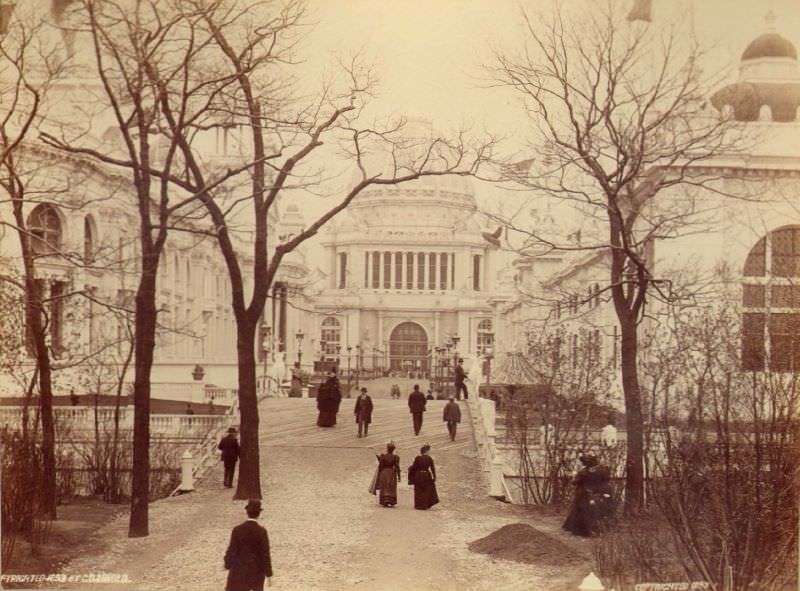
(429, 395)
(416, 404)
(395, 392)
(230, 454)
(593, 505)
(73, 399)
(452, 416)
(296, 387)
(460, 376)
(423, 473)
(388, 476)
(363, 412)
(247, 558)
(329, 398)
(189, 409)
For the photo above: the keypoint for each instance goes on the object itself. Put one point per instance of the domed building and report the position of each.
(768, 88)
(410, 279)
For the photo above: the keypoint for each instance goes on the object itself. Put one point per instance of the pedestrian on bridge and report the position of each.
(248, 559)
(363, 412)
(460, 378)
(388, 476)
(422, 474)
(452, 416)
(229, 447)
(416, 404)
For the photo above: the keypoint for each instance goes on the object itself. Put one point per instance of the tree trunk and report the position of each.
(144, 343)
(634, 460)
(248, 485)
(34, 314)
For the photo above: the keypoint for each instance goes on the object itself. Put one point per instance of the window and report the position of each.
(476, 272)
(398, 270)
(485, 337)
(88, 240)
(443, 271)
(387, 270)
(431, 270)
(330, 335)
(342, 270)
(366, 269)
(409, 270)
(45, 228)
(376, 270)
(421, 270)
(771, 303)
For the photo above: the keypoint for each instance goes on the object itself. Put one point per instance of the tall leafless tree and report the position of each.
(620, 133)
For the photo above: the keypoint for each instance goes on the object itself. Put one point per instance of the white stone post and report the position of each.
(496, 488)
(591, 583)
(187, 466)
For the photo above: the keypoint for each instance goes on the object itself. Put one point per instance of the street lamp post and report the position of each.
(349, 349)
(455, 338)
(265, 347)
(299, 336)
(338, 357)
(359, 363)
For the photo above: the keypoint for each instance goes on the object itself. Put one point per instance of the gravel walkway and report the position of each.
(327, 532)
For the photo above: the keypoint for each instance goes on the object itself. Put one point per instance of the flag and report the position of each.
(641, 10)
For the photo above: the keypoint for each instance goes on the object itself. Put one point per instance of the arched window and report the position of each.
(771, 303)
(45, 228)
(330, 336)
(485, 337)
(88, 240)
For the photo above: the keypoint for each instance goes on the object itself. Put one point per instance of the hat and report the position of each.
(231, 429)
(253, 505)
(363, 389)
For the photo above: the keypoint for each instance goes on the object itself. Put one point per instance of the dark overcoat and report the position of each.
(416, 401)
(230, 449)
(459, 374)
(247, 558)
(363, 409)
(452, 413)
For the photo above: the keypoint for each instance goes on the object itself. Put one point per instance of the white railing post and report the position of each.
(187, 468)
(496, 488)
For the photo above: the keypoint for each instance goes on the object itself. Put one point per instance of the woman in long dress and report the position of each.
(328, 399)
(593, 504)
(424, 474)
(388, 476)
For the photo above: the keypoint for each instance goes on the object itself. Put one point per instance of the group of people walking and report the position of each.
(421, 475)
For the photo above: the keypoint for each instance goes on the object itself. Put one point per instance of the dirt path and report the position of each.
(327, 532)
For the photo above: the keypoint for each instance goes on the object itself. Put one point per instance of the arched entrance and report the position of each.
(408, 350)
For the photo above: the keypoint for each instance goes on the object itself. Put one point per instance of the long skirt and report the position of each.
(579, 518)
(387, 484)
(327, 418)
(425, 495)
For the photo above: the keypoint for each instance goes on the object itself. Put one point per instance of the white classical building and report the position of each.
(411, 277)
(751, 245)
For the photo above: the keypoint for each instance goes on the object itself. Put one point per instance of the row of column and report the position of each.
(409, 270)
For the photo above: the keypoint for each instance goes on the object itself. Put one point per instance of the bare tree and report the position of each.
(619, 116)
(220, 67)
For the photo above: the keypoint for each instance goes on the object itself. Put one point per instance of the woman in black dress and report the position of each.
(593, 505)
(328, 399)
(424, 474)
(388, 476)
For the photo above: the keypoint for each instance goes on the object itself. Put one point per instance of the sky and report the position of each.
(428, 52)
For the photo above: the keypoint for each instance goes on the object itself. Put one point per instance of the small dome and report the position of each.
(769, 45)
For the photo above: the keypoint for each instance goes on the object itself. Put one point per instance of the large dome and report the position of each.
(769, 45)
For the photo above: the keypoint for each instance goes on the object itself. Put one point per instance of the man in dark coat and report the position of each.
(416, 404)
(230, 454)
(451, 416)
(247, 559)
(363, 412)
(460, 376)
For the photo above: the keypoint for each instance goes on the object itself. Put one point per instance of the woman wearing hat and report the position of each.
(388, 476)
(594, 501)
(423, 473)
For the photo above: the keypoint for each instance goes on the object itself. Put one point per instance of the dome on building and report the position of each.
(769, 45)
(769, 81)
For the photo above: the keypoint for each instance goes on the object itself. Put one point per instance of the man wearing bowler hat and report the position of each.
(230, 453)
(247, 557)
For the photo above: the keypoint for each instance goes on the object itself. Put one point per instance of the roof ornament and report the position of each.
(769, 20)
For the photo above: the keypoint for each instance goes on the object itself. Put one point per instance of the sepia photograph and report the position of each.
(421, 295)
